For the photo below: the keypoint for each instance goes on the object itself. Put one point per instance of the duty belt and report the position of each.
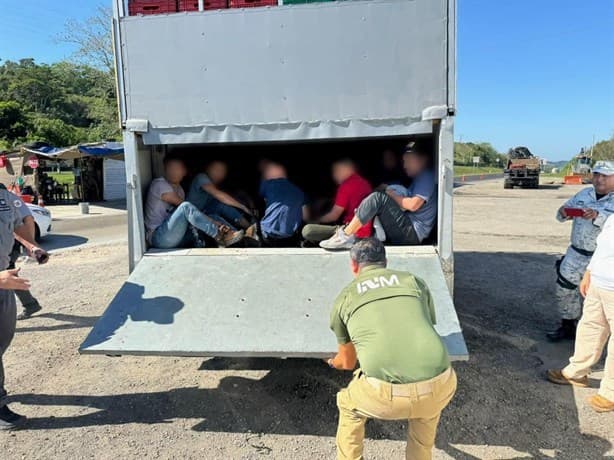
(584, 252)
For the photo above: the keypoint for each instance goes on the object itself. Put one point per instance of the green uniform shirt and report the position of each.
(389, 315)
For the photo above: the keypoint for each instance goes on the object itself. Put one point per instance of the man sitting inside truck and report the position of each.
(285, 206)
(352, 190)
(206, 195)
(407, 215)
(171, 222)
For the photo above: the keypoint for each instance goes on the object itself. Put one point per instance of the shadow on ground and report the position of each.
(504, 302)
(65, 322)
(55, 241)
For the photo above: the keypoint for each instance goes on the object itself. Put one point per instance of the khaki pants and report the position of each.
(594, 328)
(421, 403)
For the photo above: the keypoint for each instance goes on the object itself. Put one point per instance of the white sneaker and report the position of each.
(339, 240)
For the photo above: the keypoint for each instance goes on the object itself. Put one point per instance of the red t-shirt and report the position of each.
(349, 195)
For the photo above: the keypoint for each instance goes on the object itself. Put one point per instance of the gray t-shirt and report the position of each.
(156, 210)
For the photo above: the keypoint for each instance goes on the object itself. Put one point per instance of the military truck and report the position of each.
(522, 169)
(306, 81)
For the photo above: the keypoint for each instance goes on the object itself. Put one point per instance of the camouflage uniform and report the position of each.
(572, 266)
(10, 218)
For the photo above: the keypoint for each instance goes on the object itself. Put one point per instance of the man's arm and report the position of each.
(333, 215)
(410, 203)
(224, 197)
(346, 353)
(345, 359)
(171, 198)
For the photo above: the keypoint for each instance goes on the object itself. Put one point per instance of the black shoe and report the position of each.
(566, 331)
(9, 420)
(28, 312)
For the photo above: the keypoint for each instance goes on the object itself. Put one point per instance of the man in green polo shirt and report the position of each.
(384, 319)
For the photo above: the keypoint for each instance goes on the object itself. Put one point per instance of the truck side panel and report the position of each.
(315, 71)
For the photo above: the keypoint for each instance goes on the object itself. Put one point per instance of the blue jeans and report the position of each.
(175, 231)
(228, 214)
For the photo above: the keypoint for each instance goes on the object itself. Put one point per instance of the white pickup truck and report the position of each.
(302, 80)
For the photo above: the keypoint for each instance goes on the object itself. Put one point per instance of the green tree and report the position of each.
(604, 150)
(13, 122)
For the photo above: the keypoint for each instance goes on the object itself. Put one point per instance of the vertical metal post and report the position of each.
(134, 201)
(201, 5)
(445, 151)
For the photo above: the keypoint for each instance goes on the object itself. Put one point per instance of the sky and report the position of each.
(538, 73)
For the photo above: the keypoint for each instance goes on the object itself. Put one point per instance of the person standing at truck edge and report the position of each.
(10, 221)
(595, 203)
(284, 206)
(384, 319)
(170, 221)
(406, 215)
(595, 326)
(205, 194)
(352, 189)
(29, 303)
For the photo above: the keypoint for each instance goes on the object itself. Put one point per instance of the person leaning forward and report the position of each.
(11, 225)
(384, 319)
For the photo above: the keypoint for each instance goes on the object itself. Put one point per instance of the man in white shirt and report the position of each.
(596, 325)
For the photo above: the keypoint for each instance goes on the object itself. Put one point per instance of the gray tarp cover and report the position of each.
(324, 70)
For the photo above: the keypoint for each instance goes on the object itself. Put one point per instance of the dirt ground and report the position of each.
(134, 407)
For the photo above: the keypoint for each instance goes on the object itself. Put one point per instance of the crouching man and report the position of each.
(384, 319)
(172, 222)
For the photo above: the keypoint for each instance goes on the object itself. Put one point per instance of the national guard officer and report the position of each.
(29, 303)
(596, 204)
(384, 319)
(11, 225)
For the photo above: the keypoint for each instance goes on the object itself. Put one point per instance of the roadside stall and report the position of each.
(86, 163)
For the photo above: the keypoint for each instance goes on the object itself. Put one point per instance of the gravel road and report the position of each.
(138, 407)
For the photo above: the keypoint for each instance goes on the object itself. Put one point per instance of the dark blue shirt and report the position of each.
(283, 215)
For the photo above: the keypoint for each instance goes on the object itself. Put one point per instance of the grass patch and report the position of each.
(64, 177)
(471, 170)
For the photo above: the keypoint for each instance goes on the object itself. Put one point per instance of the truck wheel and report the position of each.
(508, 184)
(535, 184)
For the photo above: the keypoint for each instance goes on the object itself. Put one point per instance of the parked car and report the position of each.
(42, 217)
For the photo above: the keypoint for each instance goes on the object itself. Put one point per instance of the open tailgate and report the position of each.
(246, 302)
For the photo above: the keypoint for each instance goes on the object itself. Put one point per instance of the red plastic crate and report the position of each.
(192, 5)
(151, 7)
(251, 3)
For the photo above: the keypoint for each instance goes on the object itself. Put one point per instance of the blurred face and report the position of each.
(341, 171)
(414, 164)
(274, 171)
(175, 171)
(217, 172)
(603, 184)
(389, 160)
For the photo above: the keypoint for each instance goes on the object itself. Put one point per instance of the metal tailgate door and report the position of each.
(245, 303)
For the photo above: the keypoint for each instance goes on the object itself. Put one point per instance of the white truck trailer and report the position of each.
(308, 78)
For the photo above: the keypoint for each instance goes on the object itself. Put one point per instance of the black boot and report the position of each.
(9, 420)
(566, 331)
